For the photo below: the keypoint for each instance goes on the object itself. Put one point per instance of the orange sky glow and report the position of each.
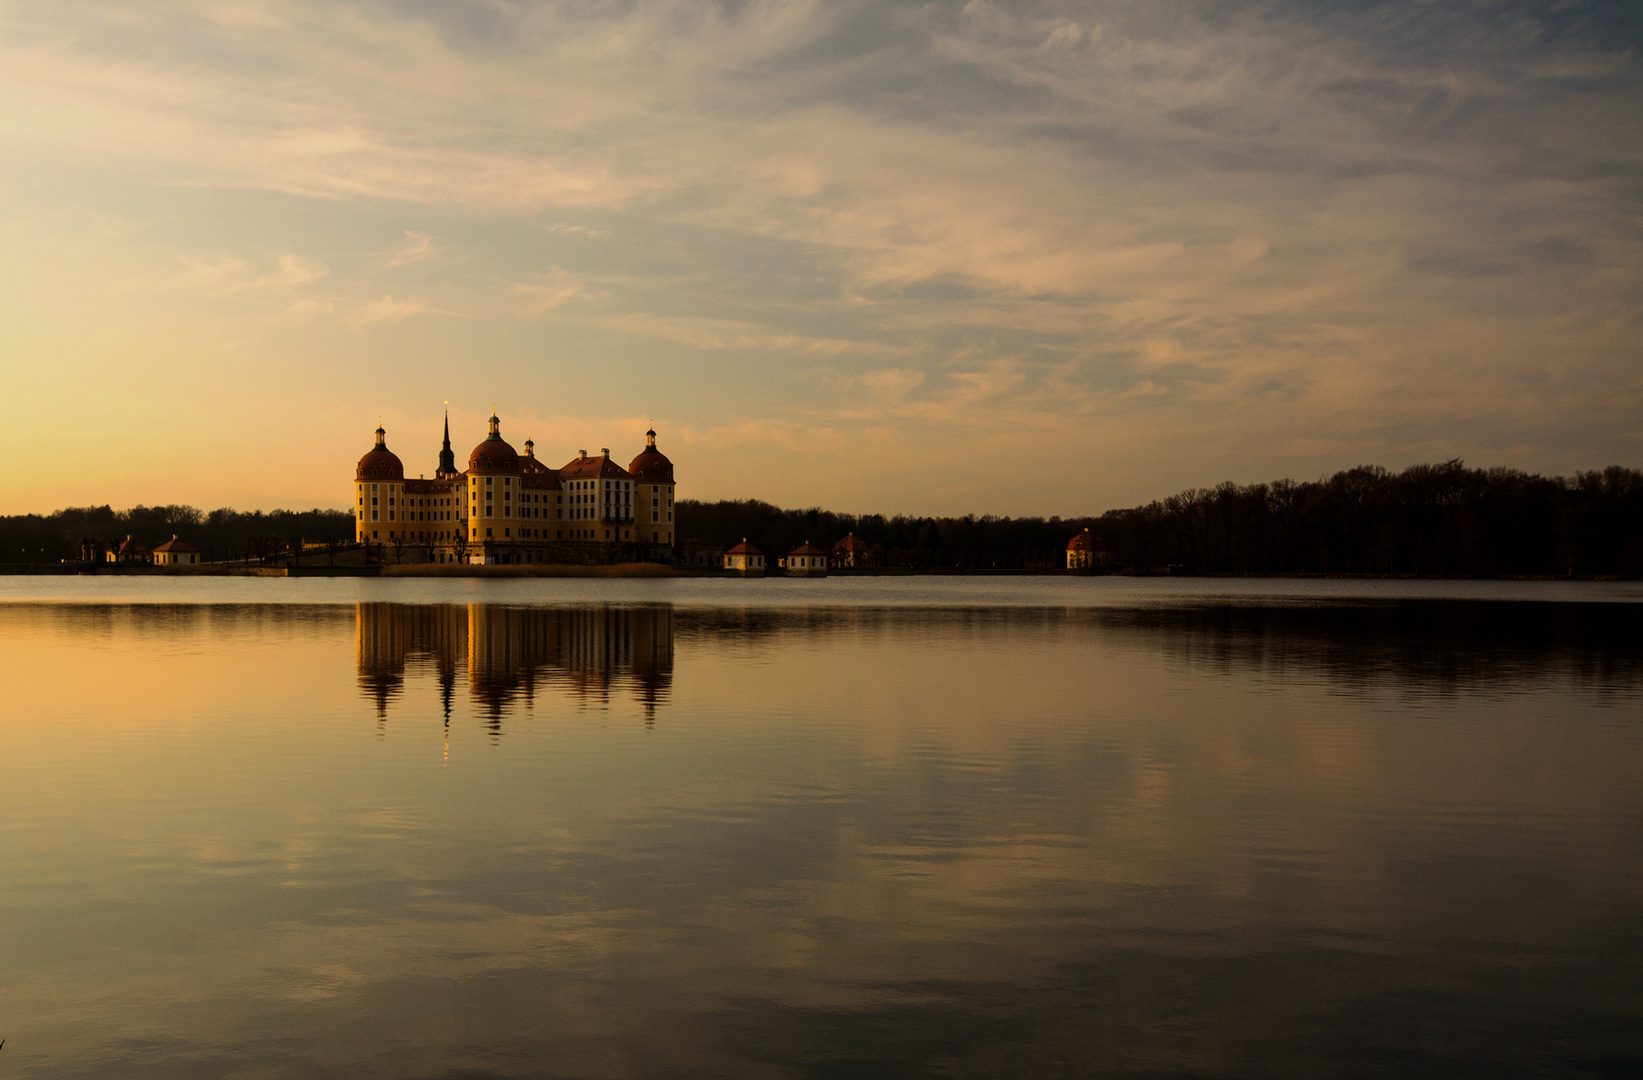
(1042, 258)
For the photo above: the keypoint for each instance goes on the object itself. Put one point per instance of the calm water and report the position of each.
(815, 829)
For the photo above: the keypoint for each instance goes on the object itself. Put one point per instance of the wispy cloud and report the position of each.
(1261, 231)
(416, 248)
(386, 309)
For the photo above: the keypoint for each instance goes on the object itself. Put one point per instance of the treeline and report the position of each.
(1443, 520)
(1440, 520)
(219, 534)
(1000, 543)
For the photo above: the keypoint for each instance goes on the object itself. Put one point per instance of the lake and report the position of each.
(885, 827)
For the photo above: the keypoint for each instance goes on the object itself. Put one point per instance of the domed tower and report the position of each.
(379, 493)
(653, 483)
(493, 489)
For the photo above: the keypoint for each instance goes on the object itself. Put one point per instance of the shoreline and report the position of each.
(661, 570)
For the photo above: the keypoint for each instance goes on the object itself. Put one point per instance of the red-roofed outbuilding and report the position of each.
(745, 559)
(175, 552)
(807, 560)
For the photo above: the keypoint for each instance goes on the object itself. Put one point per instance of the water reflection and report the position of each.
(1425, 645)
(510, 655)
(1204, 840)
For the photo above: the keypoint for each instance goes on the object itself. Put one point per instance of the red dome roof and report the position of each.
(379, 462)
(494, 455)
(651, 465)
(1081, 542)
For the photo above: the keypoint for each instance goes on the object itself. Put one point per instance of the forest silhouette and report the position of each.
(1444, 520)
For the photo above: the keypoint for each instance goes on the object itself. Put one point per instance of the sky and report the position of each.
(933, 257)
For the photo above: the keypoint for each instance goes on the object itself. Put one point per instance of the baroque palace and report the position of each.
(510, 508)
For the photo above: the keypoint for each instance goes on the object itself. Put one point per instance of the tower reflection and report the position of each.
(510, 655)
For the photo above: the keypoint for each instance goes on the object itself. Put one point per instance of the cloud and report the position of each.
(416, 248)
(226, 275)
(550, 290)
(567, 229)
(388, 310)
(1265, 229)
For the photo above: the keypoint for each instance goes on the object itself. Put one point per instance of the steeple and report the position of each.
(447, 459)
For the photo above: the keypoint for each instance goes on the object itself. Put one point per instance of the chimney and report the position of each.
(605, 450)
(581, 454)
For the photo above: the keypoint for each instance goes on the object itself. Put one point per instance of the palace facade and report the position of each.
(511, 508)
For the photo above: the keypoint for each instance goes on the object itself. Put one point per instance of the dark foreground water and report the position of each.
(1166, 835)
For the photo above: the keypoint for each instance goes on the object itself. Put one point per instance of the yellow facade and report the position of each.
(509, 508)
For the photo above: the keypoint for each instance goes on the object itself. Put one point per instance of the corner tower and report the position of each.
(379, 493)
(653, 483)
(494, 476)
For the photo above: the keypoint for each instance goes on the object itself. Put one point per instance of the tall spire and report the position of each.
(447, 460)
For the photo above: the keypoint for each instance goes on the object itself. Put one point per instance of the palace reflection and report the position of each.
(508, 655)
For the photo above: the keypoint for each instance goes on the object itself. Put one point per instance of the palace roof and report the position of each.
(494, 455)
(652, 465)
(379, 462)
(593, 468)
(421, 485)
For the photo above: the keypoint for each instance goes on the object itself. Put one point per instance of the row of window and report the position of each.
(583, 492)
